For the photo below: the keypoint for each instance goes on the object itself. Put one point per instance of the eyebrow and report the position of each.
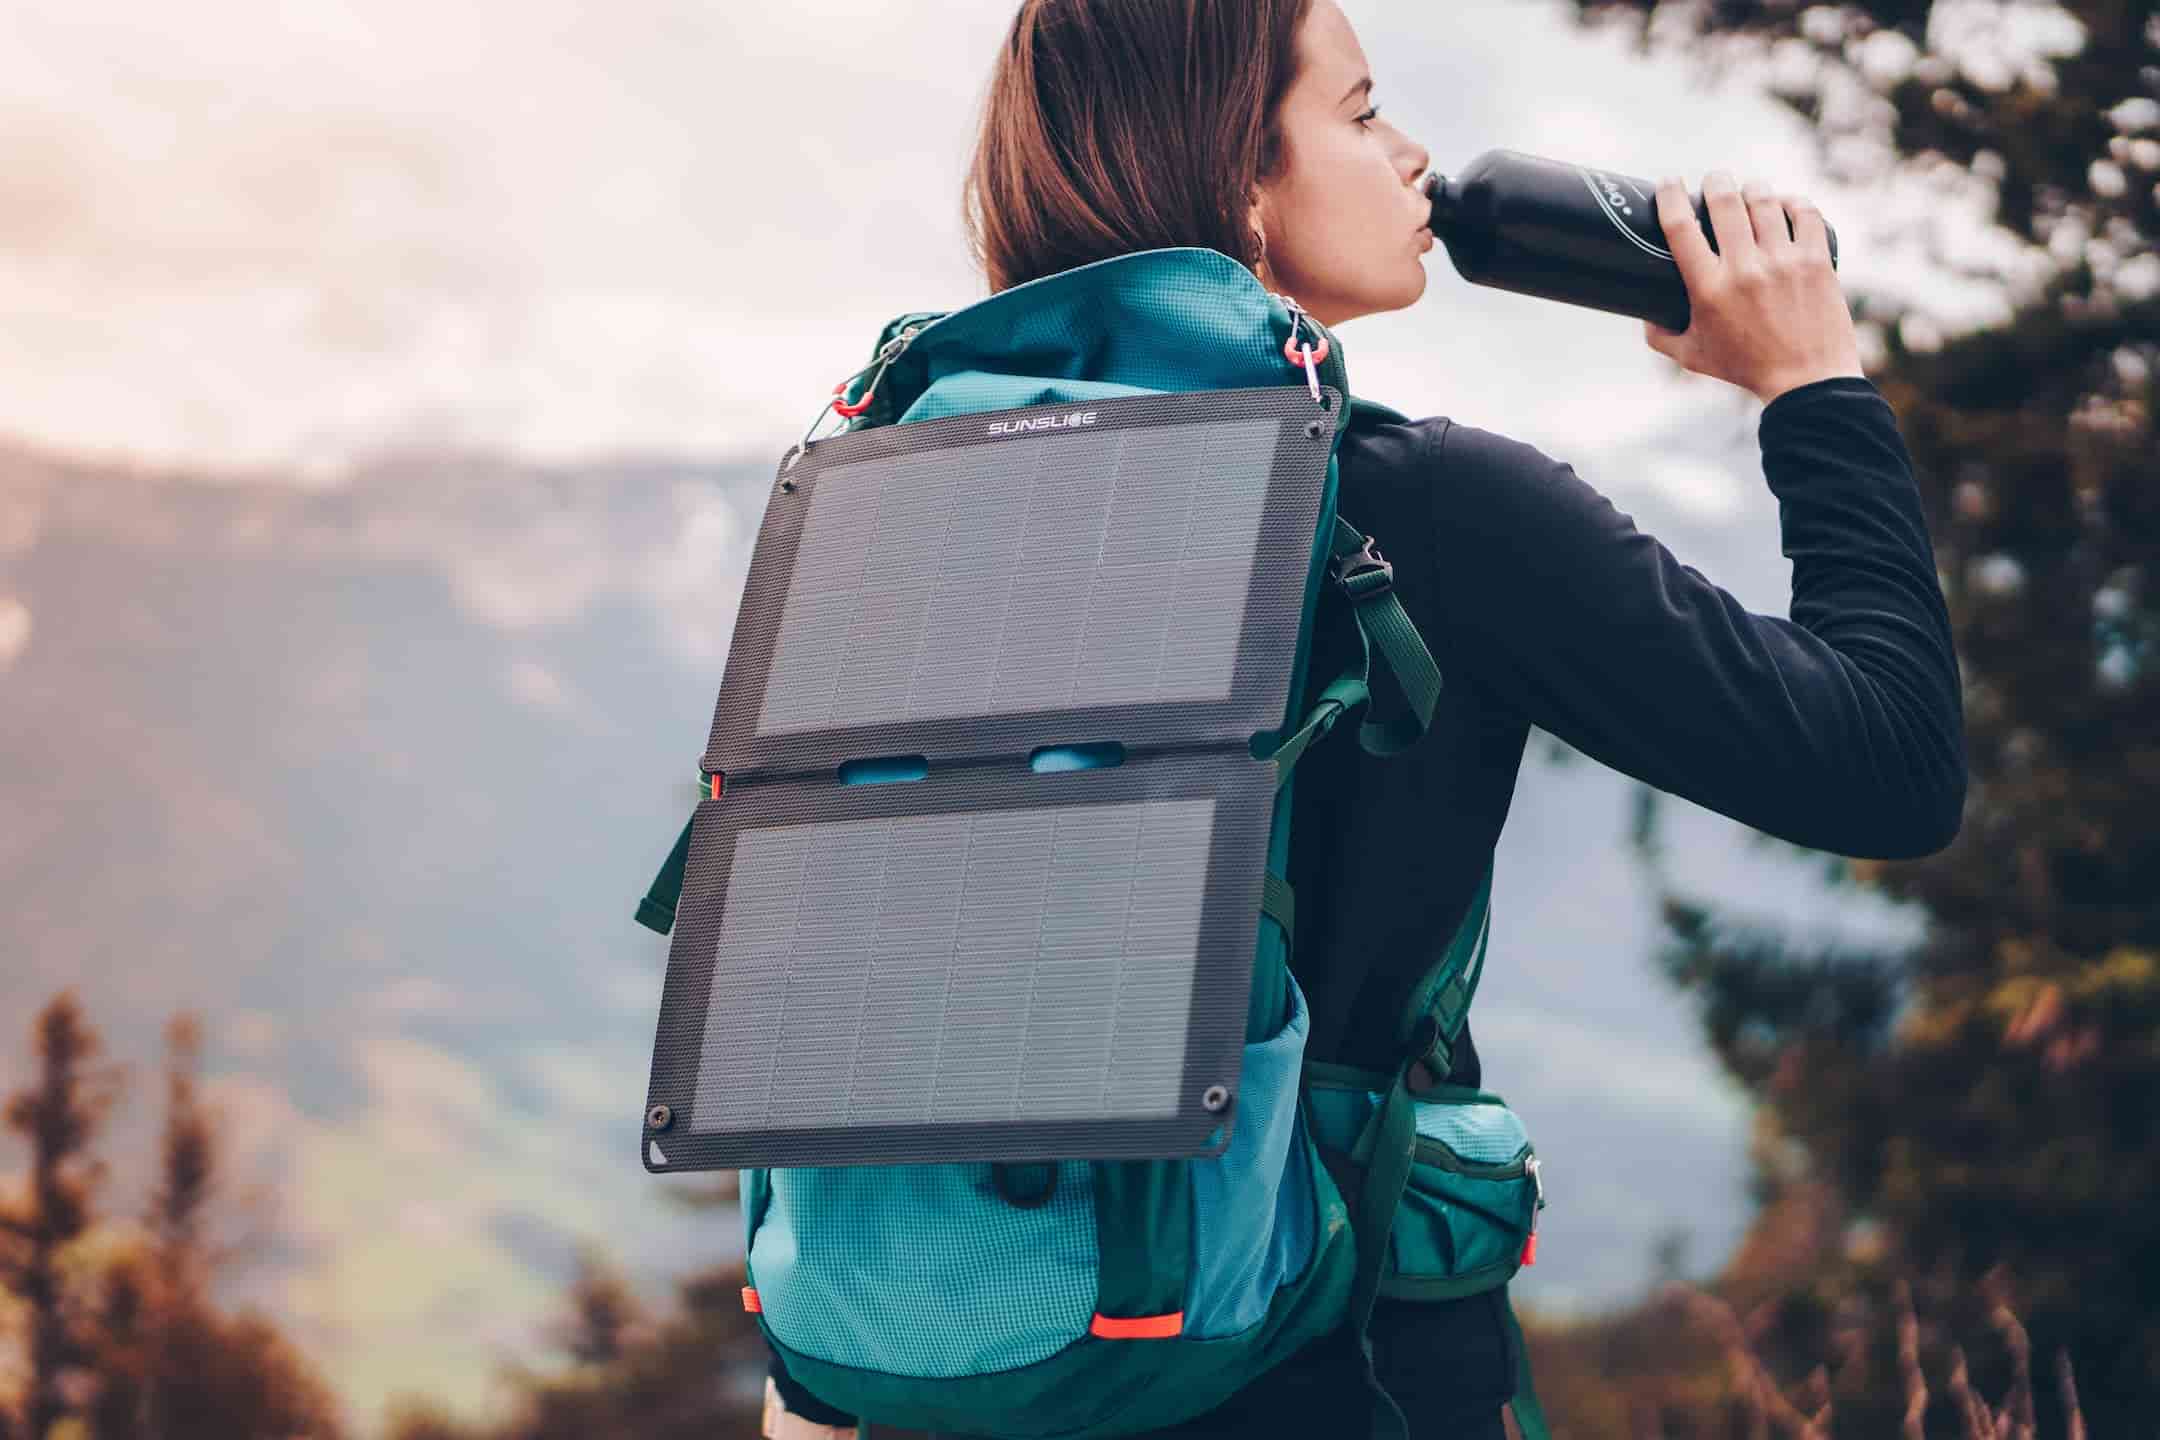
(1364, 84)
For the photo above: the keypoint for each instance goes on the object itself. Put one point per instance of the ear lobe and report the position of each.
(1256, 229)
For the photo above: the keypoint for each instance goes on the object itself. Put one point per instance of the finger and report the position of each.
(1808, 231)
(1729, 217)
(1683, 232)
(1767, 216)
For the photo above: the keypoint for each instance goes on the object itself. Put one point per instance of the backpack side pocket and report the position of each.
(1255, 1205)
(1468, 1216)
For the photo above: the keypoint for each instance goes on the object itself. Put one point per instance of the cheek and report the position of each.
(1329, 201)
(1349, 203)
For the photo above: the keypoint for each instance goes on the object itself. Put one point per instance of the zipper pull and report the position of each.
(1301, 353)
(1537, 1178)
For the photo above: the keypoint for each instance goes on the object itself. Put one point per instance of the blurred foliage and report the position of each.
(121, 1338)
(1986, 1105)
(697, 1374)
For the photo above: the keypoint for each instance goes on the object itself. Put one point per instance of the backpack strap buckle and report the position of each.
(1429, 1055)
(1362, 573)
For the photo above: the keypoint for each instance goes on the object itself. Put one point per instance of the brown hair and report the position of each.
(1119, 125)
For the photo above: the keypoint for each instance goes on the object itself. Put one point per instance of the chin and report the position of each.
(1416, 286)
(1400, 296)
(1407, 287)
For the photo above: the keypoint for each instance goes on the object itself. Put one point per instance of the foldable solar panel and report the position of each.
(991, 955)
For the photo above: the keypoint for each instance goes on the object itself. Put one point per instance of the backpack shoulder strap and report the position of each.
(1365, 577)
(1359, 406)
(657, 910)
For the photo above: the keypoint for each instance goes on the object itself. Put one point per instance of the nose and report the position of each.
(1416, 158)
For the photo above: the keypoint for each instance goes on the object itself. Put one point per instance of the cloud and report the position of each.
(586, 1083)
(533, 684)
(419, 995)
(1704, 491)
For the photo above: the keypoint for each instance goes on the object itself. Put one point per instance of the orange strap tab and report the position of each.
(1139, 1327)
(1529, 1249)
(750, 1301)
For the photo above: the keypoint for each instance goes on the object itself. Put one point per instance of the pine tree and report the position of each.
(134, 1348)
(58, 1117)
(127, 1327)
(187, 1156)
(604, 1311)
(1993, 1097)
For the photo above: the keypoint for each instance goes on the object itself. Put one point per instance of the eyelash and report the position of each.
(1368, 115)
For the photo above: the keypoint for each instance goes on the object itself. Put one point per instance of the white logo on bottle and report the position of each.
(1612, 198)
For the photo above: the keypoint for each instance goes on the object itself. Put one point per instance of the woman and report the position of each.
(1248, 126)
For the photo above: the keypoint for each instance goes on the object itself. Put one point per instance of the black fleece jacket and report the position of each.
(1841, 728)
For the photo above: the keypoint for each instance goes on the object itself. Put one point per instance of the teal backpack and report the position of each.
(1094, 1298)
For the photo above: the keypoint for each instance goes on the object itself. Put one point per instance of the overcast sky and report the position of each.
(247, 234)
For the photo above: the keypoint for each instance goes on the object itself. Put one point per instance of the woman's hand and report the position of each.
(1766, 311)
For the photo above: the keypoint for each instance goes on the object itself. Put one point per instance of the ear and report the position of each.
(1256, 224)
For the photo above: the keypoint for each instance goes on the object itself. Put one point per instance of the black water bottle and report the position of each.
(1566, 232)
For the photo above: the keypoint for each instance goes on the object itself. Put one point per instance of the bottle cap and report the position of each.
(1442, 197)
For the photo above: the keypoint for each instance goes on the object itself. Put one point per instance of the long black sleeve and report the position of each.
(1840, 728)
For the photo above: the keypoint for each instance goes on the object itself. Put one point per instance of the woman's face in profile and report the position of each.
(1345, 229)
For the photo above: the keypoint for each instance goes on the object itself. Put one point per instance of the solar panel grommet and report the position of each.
(1001, 1177)
(1215, 1098)
(659, 1117)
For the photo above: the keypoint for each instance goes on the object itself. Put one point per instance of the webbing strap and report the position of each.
(657, 910)
(1346, 692)
(1279, 903)
(1438, 1004)
(1385, 1148)
(1382, 621)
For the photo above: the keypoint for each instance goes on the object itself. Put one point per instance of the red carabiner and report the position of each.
(851, 411)
(1290, 351)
